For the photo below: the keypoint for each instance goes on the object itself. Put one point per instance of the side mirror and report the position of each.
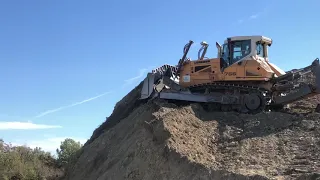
(218, 45)
(220, 53)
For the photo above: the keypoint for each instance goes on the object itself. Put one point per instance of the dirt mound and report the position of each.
(160, 140)
(121, 110)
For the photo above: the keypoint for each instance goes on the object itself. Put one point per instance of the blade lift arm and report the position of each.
(185, 52)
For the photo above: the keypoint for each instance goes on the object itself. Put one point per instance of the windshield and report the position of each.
(240, 50)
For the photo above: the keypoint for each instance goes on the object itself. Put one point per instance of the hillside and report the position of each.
(160, 140)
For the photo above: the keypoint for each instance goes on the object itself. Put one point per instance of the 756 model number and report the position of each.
(230, 73)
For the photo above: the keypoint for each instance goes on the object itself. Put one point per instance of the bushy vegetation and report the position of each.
(67, 152)
(24, 163)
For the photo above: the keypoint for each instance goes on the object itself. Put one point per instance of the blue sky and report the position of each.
(64, 64)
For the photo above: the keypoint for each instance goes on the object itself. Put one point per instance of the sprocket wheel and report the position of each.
(254, 103)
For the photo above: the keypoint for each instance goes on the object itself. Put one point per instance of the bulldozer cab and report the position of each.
(239, 48)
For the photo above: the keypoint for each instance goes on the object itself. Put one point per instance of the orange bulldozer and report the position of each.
(241, 78)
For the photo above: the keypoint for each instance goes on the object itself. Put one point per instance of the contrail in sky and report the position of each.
(71, 105)
(133, 79)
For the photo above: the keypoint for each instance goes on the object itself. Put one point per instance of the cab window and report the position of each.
(260, 51)
(241, 49)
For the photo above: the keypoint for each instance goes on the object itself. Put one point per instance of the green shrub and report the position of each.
(24, 163)
(67, 152)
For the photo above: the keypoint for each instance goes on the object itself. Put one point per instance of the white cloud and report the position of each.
(240, 21)
(254, 16)
(71, 105)
(24, 126)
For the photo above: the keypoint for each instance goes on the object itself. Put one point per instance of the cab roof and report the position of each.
(254, 38)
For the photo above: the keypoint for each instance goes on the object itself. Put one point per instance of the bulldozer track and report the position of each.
(227, 86)
(240, 89)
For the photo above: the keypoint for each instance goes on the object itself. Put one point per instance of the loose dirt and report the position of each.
(160, 140)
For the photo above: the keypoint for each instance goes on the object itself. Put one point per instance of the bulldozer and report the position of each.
(240, 78)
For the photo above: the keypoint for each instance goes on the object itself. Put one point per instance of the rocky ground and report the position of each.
(160, 140)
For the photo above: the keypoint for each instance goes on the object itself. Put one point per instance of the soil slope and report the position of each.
(160, 140)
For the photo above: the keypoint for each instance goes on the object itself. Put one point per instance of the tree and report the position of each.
(22, 162)
(67, 152)
(1, 144)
